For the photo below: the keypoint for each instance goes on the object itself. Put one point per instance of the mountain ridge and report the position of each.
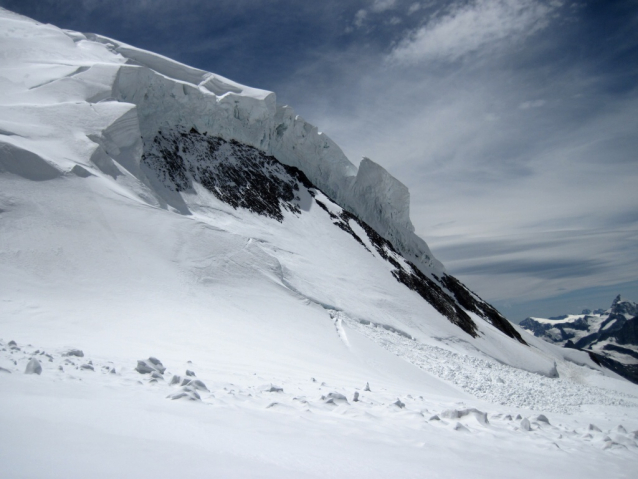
(610, 336)
(168, 291)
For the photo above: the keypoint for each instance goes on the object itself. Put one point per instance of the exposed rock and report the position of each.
(148, 366)
(398, 403)
(157, 364)
(471, 302)
(235, 173)
(451, 414)
(542, 418)
(143, 367)
(185, 393)
(335, 398)
(480, 416)
(197, 384)
(74, 352)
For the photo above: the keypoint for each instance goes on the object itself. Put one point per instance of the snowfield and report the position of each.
(244, 424)
(162, 315)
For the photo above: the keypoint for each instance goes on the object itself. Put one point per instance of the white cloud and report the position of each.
(382, 5)
(360, 18)
(472, 27)
(415, 7)
(531, 104)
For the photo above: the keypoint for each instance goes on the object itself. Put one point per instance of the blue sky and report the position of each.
(514, 123)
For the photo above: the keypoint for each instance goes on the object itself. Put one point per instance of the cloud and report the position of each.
(360, 18)
(531, 104)
(466, 29)
(543, 269)
(382, 5)
(415, 7)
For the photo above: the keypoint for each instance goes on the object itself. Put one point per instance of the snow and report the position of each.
(569, 319)
(240, 427)
(250, 336)
(166, 93)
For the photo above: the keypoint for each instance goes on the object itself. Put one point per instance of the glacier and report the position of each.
(207, 285)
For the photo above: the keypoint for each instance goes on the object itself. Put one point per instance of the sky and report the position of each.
(514, 123)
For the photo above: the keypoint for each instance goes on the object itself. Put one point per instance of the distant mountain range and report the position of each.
(610, 336)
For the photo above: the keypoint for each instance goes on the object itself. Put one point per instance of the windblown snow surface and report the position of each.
(266, 311)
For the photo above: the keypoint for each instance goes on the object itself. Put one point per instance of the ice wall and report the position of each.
(144, 93)
(169, 94)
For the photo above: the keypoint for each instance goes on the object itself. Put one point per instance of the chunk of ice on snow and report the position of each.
(33, 367)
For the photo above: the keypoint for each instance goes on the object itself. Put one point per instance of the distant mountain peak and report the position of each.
(612, 335)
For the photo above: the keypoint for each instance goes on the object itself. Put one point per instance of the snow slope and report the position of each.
(151, 209)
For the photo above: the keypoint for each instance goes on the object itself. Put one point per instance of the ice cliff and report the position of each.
(168, 94)
(122, 96)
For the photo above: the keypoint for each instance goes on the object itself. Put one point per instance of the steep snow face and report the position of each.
(245, 177)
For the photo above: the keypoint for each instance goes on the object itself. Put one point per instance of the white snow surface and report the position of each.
(279, 321)
(147, 92)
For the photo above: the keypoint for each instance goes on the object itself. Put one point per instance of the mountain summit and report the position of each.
(194, 280)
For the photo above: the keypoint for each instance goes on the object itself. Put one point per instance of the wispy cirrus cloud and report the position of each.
(468, 28)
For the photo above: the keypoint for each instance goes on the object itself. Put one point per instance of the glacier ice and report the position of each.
(154, 92)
